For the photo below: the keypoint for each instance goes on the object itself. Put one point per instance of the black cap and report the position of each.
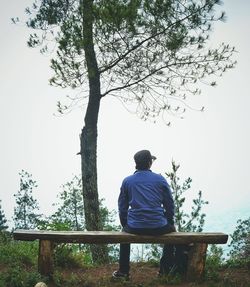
(143, 156)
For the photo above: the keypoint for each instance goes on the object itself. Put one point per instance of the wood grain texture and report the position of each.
(196, 262)
(120, 237)
(45, 257)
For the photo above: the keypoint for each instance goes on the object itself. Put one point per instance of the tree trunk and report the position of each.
(89, 135)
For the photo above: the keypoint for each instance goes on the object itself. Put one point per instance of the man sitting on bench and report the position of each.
(146, 207)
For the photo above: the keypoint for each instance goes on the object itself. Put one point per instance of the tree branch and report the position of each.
(147, 39)
(152, 73)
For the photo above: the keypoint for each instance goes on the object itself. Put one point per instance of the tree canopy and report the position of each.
(149, 54)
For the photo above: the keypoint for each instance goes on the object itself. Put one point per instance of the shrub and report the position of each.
(214, 262)
(23, 253)
(67, 255)
(16, 277)
(240, 244)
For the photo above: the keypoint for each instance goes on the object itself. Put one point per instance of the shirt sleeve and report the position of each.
(123, 204)
(168, 202)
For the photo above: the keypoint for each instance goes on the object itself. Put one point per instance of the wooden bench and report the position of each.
(196, 255)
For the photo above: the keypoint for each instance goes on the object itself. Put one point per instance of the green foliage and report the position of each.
(3, 220)
(139, 45)
(72, 280)
(19, 260)
(70, 212)
(16, 277)
(55, 224)
(170, 279)
(214, 262)
(25, 211)
(154, 254)
(69, 256)
(20, 253)
(5, 237)
(108, 218)
(240, 244)
(183, 220)
(70, 216)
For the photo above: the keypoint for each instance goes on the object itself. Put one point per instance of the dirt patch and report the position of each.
(145, 275)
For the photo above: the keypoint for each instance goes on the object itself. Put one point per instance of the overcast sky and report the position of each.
(212, 147)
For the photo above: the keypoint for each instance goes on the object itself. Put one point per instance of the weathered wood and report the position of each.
(120, 237)
(196, 262)
(196, 256)
(45, 257)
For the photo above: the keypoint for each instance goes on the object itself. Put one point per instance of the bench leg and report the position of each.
(45, 257)
(196, 262)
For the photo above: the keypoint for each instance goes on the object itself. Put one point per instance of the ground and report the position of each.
(145, 275)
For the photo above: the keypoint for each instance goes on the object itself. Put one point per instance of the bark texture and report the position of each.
(196, 262)
(89, 134)
(45, 258)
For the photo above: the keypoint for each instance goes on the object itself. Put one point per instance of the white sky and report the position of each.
(212, 147)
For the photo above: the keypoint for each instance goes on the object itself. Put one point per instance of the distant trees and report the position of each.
(70, 208)
(26, 214)
(240, 241)
(193, 221)
(3, 220)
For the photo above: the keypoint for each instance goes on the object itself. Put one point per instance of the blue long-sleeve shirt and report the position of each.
(145, 201)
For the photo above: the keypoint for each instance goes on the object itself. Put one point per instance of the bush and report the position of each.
(22, 253)
(240, 243)
(67, 255)
(16, 277)
(214, 262)
(5, 237)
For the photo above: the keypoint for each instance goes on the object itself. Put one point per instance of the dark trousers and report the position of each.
(167, 259)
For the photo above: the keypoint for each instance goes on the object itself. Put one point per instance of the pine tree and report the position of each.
(3, 220)
(184, 221)
(240, 241)
(25, 211)
(70, 210)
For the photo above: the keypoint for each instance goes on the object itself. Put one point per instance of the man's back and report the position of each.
(148, 196)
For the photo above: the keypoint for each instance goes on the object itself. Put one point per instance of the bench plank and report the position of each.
(105, 237)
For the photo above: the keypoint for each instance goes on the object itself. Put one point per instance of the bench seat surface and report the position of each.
(120, 237)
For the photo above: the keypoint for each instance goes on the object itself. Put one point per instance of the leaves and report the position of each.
(3, 220)
(240, 240)
(193, 221)
(70, 209)
(153, 50)
(25, 211)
